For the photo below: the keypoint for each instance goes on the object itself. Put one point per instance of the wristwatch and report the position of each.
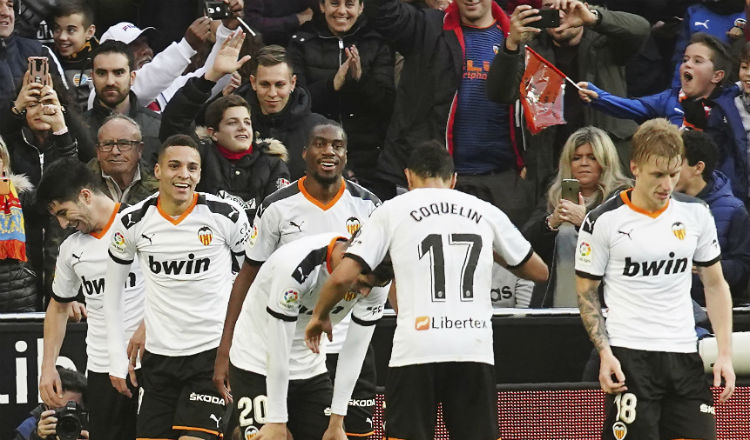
(598, 16)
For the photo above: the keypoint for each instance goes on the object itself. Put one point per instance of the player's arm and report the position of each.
(280, 336)
(55, 324)
(593, 320)
(532, 268)
(241, 285)
(719, 307)
(117, 273)
(331, 293)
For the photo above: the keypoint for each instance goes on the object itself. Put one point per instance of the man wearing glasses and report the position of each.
(118, 154)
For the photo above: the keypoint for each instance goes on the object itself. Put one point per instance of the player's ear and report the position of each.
(453, 180)
(409, 178)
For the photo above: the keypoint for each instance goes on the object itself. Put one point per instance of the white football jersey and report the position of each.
(291, 213)
(440, 242)
(187, 265)
(645, 260)
(287, 288)
(81, 267)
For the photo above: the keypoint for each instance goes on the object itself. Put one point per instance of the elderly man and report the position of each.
(118, 154)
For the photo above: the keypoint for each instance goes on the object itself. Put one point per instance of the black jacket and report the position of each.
(248, 180)
(14, 52)
(147, 119)
(291, 126)
(77, 70)
(362, 107)
(276, 20)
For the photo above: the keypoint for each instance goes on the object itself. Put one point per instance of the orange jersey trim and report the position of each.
(352, 434)
(176, 221)
(317, 202)
(329, 266)
(111, 220)
(652, 214)
(193, 428)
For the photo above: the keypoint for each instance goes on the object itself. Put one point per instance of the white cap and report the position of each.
(124, 31)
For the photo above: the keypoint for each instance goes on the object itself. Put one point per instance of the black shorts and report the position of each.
(111, 414)
(308, 403)
(358, 420)
(466, 390)
(668, 396)
(179, 398)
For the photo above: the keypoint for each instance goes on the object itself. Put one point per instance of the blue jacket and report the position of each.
(14, 52)
(732, 226)
(724, 126)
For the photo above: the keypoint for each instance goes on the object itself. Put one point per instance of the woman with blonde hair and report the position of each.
(19, 289)
(590, 157)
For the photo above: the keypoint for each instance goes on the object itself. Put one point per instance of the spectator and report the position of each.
(701, 103)
(41, 424)
(348, 69)
(714, 17)
(73, 32)
(442, 95)
(279, 109)
(598, 44)
(742, 101)
(590, 157)
(278, 20)
(232, 166)
(14, 51)
(113, 68)
(20, 285)
(698, 178)
(118, 161)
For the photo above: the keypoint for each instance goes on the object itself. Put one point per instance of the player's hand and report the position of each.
(573, 213)
(47, 424)
(273, 431)
(77, 311)
(226, 59)
(520, 31)
(609, 366)
(198, 32)
(335, 430)
(50, 387)
(315, 328)
(585, 94)
(136, 348)
(221, 374)
(121, 386)
(723, 368)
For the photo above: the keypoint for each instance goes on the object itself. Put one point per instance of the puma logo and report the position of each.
(149, 238)
(215, 419)
(625, 233)
(298, 226)
(701, 23)
(77, 257)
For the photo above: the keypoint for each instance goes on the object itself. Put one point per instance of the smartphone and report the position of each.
(550, 19)
(217, 10)
(4, 185)
(570, 190)
(38, 70)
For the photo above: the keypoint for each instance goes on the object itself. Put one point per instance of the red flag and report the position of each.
(542, 90)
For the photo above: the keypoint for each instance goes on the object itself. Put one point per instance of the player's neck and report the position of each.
(174, 208)
(322, 191)
(642, 201)
(103, 208)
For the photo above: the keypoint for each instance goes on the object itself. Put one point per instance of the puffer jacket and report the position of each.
(362, 107)
(14, 53)
(19, 283)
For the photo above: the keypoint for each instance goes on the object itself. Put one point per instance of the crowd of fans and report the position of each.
(250, 88)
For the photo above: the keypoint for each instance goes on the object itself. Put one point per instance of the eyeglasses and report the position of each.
(122, 144)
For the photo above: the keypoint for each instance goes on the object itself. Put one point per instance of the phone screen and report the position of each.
(550, 19)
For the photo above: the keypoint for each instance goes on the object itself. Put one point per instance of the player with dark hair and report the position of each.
(187, 242)
(642, 244)
(73, 194)
(441, 243)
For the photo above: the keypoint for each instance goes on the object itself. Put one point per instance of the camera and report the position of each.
(70, 420)
(217, 10)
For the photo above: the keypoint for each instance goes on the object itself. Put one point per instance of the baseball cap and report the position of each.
(125, 32)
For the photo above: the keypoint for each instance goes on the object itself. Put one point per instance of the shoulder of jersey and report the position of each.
(684, 198)
(131, 215)
(279, 194)
(358, 191)
(608, 205)
(217, 205)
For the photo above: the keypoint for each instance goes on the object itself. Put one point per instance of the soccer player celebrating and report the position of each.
(72, 193)
(441, 243)
(271, 369)
(322, 201)
(187, 243)
(643, 243)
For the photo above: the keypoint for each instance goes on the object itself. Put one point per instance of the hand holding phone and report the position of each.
(570, 189)
(38, 70)
(550, 19)
(217, 10)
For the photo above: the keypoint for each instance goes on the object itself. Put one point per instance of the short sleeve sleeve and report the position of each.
(66, 283)
(368, 310)
(264, 235)
(508, 241)
(592, 249)
(285, 293)
(239, 233)
(371, 242)
(707, 251)
(122, 246)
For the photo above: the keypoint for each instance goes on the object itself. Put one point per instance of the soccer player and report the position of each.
(642, 244)
(73, 194)
(271, 368)
(322, 201)
(441, 243)
(186, 243)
